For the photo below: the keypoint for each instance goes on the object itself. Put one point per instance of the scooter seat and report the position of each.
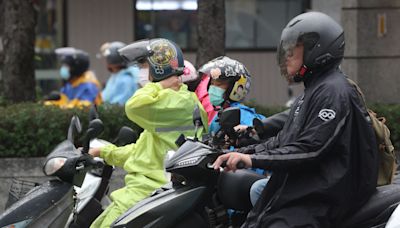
(234, 188)
(378, 208)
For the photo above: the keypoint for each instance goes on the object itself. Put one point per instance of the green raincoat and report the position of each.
(163, 114)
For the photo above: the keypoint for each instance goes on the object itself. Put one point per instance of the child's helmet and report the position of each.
(164, 57)
(225, 68)
(165, 60)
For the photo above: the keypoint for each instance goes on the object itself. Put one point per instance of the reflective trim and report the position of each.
(168, 129)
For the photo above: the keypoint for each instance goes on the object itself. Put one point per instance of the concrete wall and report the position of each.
(371, 57)
(107, 22)
(30, 169)
(91, 23)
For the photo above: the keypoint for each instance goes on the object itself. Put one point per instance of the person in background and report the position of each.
(81, 87)
(324, 161)
(123, 81)
(164, 109)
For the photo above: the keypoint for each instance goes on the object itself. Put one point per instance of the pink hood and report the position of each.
(202, 94)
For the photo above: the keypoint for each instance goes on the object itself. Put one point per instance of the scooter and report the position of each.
(199, 195)
(60, 202)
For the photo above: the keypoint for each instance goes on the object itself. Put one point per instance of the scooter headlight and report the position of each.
(53, 165)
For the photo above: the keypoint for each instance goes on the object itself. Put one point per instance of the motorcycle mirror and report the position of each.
(229, 118)
(136, 51)
(197, 116)
(126, 135)
(95, 128)
(270, 126)
(75, 127)
(93, 114)
(197, 121)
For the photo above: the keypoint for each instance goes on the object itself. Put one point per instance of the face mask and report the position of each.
(64, 72)
(143, 76)
(216, 95)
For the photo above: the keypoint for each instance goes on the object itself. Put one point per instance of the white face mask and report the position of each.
(143, 76)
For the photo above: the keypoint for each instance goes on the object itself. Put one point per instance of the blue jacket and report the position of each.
(247, 115)
(121, 86)
(81, 91)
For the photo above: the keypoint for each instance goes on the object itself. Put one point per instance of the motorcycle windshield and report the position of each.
(65, 149)
(190, 149)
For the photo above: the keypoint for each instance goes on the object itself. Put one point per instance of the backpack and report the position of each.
(386, 154)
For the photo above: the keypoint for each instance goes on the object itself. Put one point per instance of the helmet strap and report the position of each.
(301, 74)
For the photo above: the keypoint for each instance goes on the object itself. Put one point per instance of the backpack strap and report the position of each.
(360, 93)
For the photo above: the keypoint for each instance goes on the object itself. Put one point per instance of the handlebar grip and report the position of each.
(94, 163)
(239, 165)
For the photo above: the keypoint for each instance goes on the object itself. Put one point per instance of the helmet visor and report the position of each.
(289, 40)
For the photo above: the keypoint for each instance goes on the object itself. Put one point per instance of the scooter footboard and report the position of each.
(162, 210)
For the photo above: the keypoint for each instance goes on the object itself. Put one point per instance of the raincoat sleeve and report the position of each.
(316, 137)
(117, 156)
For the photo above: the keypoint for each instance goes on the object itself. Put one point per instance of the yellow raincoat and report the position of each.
(163, 114)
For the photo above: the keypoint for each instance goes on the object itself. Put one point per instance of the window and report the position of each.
(49, 36)
(48, 32)
(249, 24)
(258, 23)
(174, 20)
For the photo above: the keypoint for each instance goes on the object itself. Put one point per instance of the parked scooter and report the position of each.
(200, 195)
(57, 202)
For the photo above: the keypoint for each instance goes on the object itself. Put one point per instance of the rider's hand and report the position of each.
(240, 128)
(173, 82)
(95, 152)
(231, 161)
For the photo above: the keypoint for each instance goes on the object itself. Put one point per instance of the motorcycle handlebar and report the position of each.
(239, 165)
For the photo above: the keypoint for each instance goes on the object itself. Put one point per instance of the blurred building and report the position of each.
(253, 29)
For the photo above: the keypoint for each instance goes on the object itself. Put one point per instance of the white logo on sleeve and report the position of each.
(326, 114)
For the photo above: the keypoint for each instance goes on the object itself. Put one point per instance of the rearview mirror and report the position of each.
(95, 128)
(270, 126)
(75, 127)
(93, 114)
(229, 118)
(126, 135)
(197, 117)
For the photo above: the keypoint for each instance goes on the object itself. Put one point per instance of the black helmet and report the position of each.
(109, 50)
(164, 57)
(225, 68)
(76, 59)
(323, 42)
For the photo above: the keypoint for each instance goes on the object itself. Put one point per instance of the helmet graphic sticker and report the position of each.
(166, 59)
(163, 55)
(240, 89)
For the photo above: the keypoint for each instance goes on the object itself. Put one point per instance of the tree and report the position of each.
(210, 30)
(18, 38)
